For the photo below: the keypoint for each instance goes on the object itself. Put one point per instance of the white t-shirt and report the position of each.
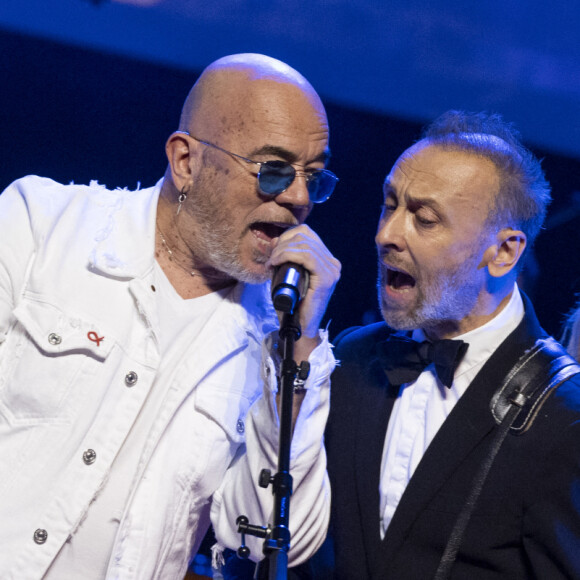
(86, 554)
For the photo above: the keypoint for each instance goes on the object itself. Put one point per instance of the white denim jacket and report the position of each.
(78, 354)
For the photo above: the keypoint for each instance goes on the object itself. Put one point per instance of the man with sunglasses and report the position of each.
(138, 344)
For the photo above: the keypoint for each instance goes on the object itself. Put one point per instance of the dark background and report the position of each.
(77, 115)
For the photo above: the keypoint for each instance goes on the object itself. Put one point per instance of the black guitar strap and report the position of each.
(514, 406)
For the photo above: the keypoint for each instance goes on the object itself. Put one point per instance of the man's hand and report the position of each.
(302, 246)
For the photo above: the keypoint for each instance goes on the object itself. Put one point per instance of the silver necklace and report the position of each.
(170, 254)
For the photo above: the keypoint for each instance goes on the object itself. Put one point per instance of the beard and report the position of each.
(215, 241)
(443, 297)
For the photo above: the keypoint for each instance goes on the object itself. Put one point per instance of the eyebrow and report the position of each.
(424, 202)
(287, 155)
(412, 199)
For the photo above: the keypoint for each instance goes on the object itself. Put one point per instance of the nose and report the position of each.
(297, 193)
(390, 230)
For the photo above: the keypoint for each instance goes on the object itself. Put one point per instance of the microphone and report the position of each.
(289, 285)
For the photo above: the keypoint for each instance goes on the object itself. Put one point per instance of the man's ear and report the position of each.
(505, 255)
(181, 152)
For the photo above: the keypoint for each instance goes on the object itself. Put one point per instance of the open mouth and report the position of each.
(399, 280)
(266, 231)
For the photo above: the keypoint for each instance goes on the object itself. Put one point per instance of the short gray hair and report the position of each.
(524, 194)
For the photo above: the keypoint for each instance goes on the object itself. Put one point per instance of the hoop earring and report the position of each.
(182, 197)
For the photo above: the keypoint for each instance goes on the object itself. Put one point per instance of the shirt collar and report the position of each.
(125, 244)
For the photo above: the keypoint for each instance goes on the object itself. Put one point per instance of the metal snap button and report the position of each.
(54, 339)
(131, 378)
(40, 536)
(89, 456)
(240, 426)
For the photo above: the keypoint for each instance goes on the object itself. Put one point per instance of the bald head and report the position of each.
(234, 84)
(244, 111)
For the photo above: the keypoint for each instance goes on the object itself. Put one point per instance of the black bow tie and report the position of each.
(404, 359)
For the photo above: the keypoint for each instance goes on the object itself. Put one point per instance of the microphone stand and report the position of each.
(277, 536)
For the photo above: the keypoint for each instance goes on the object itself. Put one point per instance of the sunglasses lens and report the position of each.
(321, 184)
(275, 177)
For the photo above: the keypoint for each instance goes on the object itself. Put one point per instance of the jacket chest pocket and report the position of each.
(46, 362)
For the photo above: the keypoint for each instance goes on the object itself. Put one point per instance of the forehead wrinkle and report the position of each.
(410, 198)
(411, 167)
(410, 177)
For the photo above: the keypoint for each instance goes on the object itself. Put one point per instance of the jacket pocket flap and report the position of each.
(57, 332)
(227, 407)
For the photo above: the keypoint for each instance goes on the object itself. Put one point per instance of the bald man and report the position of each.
(138, 342)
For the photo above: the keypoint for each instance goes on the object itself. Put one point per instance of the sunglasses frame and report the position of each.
(309, 176)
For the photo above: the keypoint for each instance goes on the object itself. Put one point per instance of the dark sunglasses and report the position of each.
(275, 177)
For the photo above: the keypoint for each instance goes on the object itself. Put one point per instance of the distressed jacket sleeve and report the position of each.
(16, 250)
(310, 501)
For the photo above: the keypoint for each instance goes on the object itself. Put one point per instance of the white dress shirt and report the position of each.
(422, 406)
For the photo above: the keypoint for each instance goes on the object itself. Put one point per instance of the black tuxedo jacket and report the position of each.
(527, 521)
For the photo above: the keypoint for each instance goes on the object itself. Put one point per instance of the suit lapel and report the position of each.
(463, 430)
(374, 410)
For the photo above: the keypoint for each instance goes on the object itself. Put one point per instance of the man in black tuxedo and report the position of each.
(408, 447)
